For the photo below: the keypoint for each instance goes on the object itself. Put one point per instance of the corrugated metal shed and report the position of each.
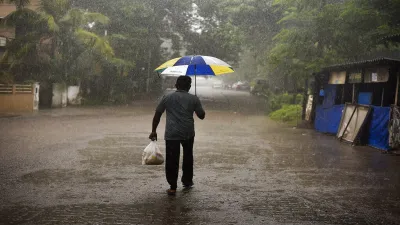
(363, 64)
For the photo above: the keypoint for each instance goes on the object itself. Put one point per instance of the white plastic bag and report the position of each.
(152, 155)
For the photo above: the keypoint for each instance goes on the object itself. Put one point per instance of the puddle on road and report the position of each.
(98, 161)
(156, 208)
(58, 176)
(114, 152)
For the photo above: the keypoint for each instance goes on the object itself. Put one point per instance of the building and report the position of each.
(7, 33)
(15, 97)
(358, 102)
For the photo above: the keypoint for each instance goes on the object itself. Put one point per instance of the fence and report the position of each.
(19, 98)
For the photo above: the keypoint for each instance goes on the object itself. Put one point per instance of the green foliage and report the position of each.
(5, 77)
(286, 41)
(276, 102)
(256, 24)
(13, 18)
(58, 45)
(95, 42)
(283, 41)
(135, 33)
(318, 33)
(18, 3)
(225, 42)
(290, 114)
(260, 89)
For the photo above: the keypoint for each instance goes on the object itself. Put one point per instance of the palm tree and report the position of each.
(69, 37)
(21, 20)
(58, 40)
(19, 17)
(63, 47)
(20, 4)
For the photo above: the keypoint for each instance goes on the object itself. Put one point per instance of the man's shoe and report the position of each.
(171, 192)
(188, 185)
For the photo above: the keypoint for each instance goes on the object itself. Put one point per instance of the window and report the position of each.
(355, 77)
(376, 75)
(337, 77)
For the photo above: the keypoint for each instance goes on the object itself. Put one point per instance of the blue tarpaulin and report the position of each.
(378, 133)
(365, 98)
(327, 120)
(330, 95)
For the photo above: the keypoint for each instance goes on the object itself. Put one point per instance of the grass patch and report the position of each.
(290, 114)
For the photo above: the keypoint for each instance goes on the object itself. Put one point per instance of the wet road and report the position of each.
(82, 166)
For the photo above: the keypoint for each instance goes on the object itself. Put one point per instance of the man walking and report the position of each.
(179, 130)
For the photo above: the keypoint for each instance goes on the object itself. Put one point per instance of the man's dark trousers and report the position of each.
(172, 161)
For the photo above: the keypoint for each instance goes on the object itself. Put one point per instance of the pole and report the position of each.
(354, 93)
(397, 89)
(383, 94)
(343, 94)
(305, 100)
(148, 73)
(149, 59)
(195, 80)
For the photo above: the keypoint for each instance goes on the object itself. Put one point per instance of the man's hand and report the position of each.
(153, 136)
(156, 121)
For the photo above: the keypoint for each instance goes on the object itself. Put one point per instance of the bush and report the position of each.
(288, 114)
(278, 101)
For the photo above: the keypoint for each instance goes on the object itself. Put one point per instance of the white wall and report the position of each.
(73, 95)
(36, 88)
(59, 99)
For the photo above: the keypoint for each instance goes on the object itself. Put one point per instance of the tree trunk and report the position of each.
(285, 82)
(294, 91)
(305, 99)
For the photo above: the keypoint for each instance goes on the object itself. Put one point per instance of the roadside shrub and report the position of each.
(288, 114)
(276, 102)
(91, 101)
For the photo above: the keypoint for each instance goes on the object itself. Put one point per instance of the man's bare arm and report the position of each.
(156, 121)
(199, 110)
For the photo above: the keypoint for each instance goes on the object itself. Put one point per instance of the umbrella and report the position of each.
(195, 65)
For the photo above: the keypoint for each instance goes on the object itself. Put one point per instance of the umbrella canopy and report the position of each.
(195, 65)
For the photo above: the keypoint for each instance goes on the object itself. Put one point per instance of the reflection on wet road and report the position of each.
(82, 166)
